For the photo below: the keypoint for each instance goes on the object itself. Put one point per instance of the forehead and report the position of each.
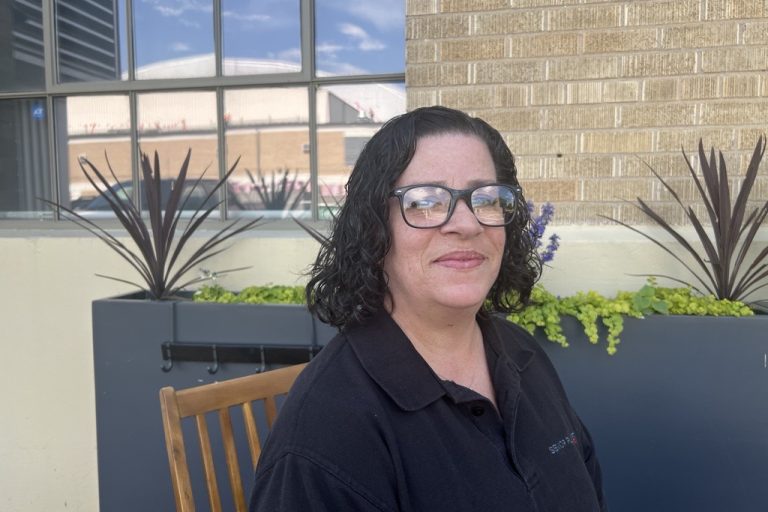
(449, 158)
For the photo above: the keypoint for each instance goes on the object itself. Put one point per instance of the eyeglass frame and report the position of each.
(456, 194)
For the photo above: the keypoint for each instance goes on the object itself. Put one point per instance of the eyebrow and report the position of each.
(471, 184)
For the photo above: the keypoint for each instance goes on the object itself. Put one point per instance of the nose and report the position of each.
(462, 220)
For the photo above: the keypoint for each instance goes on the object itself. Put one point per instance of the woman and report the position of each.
(425, 401)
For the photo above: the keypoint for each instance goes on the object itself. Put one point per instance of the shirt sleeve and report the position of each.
(298, 482)
(593, 466)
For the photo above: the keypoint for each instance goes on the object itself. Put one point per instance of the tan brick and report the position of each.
(467, 97)
(507, 120)
(542, 143)
(581, 18)
(416, 7)
(666, 164)
(472, 49)
(584, 92)
(738, 113)
(420, 52)
(437, 27)
(583, 212)
(623, 40)
(522, 4)
(660, 89)
(572, 118)
(699, 87)
(615, 189)
(756, 32)
(617, 142)
(550, 190)
(548, 93)
(528, 168)
(581, 68)
(764, 87)
(510, 96)
(436, 74)
(472, 5)
(747, 139)
(658, 64)
(508, 22)
(734, 59)
(577, 166)
(650, 115)
(416, 97)
(733, 9)
(621, 91)
(509, 71)
(740, 86)
(700, 35)
(662, 13)
(688, 140)
(543, 45)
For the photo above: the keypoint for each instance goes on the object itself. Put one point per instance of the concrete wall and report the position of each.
(47, 431)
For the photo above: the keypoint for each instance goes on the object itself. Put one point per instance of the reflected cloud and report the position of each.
(175, 8)
(328, 49)
(364, 41)
(382, 15)
(291, 55)
(180, 47)
(260, 18)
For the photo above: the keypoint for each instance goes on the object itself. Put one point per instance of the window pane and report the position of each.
(268, 130)
(21, 45)
(87, 37)
(361, 37)
(24, 165)
(261, 36)
(173, 38)
(96, 128)
(171, 123)
(347, 116)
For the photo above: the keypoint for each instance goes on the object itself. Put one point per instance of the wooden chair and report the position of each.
(219, 396)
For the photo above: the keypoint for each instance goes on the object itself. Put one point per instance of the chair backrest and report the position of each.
(219, 397)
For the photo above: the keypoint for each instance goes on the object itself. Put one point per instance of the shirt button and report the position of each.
(478, 410)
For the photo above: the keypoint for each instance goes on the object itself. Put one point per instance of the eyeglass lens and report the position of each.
(430, 206)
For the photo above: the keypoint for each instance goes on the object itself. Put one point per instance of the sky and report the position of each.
(353, 36)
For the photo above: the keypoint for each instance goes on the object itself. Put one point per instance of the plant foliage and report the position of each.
(723, 269)
(595, 311)
(157, 257)
(277, 195)
(273, 294)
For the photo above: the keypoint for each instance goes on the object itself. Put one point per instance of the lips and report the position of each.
(461, 259)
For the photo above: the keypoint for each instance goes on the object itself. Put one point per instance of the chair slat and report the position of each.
(214, 498)
(197, 401)
(252, 433)
(233, 464)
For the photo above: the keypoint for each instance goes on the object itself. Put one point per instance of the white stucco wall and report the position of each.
(47, 425)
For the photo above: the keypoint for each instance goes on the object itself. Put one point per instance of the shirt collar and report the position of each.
(388, 356)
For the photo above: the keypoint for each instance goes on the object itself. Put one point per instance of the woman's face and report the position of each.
(452, 266)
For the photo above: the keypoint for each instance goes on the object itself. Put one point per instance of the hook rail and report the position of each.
(220, 353)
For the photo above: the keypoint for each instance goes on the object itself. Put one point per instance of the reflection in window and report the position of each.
(97, 128)
(261, 36)
(268, 130)
(347, 116)
(21, 45)
(173, 122)
(87, 40)
(24, 165)
(173, 39)
(361, 37)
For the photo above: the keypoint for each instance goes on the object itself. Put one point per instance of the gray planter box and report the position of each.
(679, 415)
(127, 337)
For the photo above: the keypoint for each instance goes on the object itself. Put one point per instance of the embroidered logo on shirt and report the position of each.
(569, 439)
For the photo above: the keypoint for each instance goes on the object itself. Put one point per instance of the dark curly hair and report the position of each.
(347, 281)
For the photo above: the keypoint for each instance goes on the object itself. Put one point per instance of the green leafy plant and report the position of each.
(277, 195)
(594, 311)
(723, 269)
(272, 294)
(157, 257)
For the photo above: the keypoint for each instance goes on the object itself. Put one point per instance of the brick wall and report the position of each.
(586, 91)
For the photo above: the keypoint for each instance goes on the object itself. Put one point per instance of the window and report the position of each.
(124, 77)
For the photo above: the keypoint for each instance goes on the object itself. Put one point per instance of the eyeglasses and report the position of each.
(431, 206)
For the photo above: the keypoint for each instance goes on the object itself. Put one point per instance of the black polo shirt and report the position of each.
(369, 426)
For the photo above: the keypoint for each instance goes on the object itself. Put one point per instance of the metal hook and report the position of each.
(263, 366)
(168, 365)
(215, 366)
